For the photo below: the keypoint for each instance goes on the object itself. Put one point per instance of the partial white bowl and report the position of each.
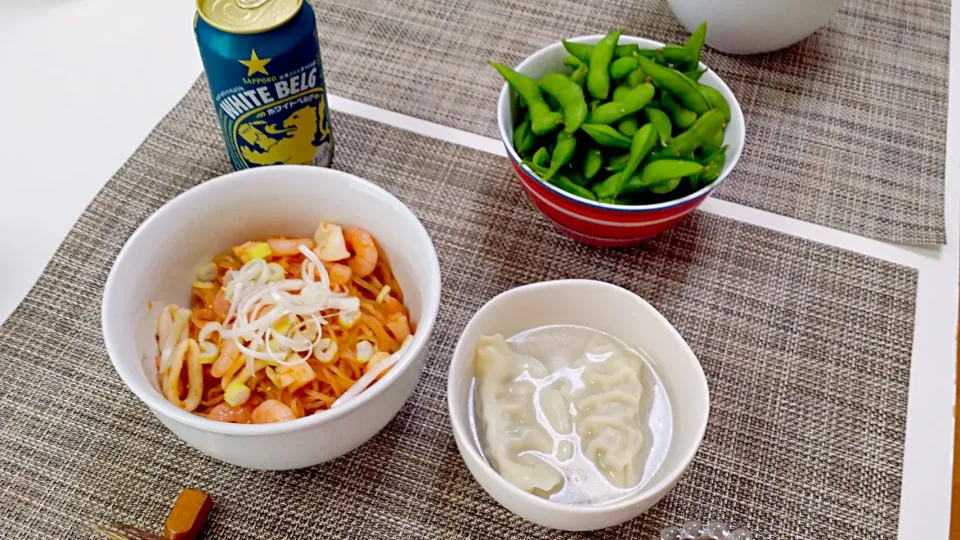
(754, 26)
(158, 262)
(622, 314)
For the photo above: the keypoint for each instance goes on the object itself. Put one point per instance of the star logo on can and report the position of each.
(256, 64)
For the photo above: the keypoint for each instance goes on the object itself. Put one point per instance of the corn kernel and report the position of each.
(253, 250)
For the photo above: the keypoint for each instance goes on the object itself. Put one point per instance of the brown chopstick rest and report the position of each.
(188, 515)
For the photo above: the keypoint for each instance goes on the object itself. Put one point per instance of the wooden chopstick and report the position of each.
(119, 531)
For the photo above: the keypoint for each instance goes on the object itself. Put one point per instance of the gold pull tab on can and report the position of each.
(247, 16)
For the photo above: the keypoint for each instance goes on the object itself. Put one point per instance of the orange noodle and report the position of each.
(278, 323)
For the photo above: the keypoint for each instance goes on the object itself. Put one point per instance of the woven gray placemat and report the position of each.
(806, 348)
(846, 129)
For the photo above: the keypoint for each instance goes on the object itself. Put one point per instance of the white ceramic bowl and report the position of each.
(158, 263)
(754, 26)
(622, 314)
(600, 223)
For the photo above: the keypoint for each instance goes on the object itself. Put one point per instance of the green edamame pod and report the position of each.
(716, 99)
(541, 157)
(592, 163)
(598, 79)
(572, 62)
(677, 55)
(562, 153)
(538, 170)
(580, 75)
(575, 176)
(675, 83)
(570, 97)
(606, 136)
(636, 78)
(656, 172)
(666, 186)
(542, 119)
(642, 144)
(594, 104)
(567, 185)
(630, 102)
(661, 122)
(622, 67)
(694, 75)
(619, 93)
(713, 166)
(713, 143)
(617, 164)
(582, 51)
(523, 138)
(682, 117)
(625, 51)
(627, 125)
(691, 139)
(695, 46)
(651, 54)
(604, 190)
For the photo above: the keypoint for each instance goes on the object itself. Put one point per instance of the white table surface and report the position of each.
(84, 82)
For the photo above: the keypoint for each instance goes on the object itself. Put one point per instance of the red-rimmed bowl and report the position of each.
(599, 223)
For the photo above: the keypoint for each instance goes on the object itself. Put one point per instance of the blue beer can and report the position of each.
(262, 59)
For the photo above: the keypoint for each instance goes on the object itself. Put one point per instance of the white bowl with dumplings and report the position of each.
(611, 310)
(158, 262)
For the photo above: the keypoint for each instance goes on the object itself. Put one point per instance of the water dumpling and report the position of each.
(563, 412)
(512, 437)
(609, 419)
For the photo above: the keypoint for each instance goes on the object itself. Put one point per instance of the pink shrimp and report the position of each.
(339, 273)
(272, 410)
(228, 354)
(221, 306)
(223, 412)
(280, 247)
(398, 325)
(365, 256)
(391, 305)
